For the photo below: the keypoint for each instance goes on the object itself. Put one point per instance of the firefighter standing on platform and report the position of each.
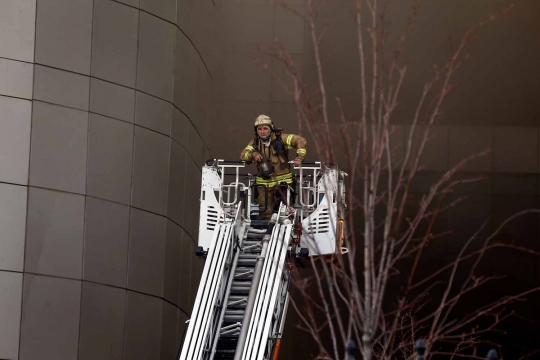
(270, 150)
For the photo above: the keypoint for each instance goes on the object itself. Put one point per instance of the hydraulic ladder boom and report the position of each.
(203, 321)
(241, 304)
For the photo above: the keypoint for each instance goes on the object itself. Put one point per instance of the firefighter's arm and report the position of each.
(297, 142)
(249, 154)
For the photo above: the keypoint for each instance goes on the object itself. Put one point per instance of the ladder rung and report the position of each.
(243, 274)
(247, 262)
(255, 236)
(232, 326)
(238, 302)
(256, 246)
(233, 331)
(234, 312)
(259, 224)
(233, 318)
(250, 242)
(224, 354)
(240, 290)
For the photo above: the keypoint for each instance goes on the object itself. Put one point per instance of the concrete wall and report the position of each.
(491, 103)
(103, 106)
(246, 89)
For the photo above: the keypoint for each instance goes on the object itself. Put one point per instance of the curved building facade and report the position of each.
(102, 136)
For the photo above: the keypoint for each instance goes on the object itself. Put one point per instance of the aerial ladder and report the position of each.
(241, 304)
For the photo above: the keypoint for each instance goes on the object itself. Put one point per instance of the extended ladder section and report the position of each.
(205, 316)
(238, 294)
(270, 299)
(241, 304)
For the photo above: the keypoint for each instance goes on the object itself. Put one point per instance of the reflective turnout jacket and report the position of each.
(282, 172)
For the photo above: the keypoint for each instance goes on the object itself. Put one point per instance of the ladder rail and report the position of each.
(271, 282)
(284, 312)
(213, 298)
(187, 349)
(280, 314)
(264, 296)
(202, 295)
(247, 349)
(207, 293)
(271, 302)
(273, 347)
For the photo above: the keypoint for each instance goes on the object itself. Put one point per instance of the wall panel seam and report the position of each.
(176, 26)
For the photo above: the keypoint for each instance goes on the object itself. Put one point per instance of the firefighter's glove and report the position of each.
(297, 161)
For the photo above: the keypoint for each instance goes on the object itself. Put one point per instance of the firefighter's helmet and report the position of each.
(264, 120)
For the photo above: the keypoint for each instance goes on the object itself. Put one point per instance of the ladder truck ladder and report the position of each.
(241, 302)
(237, 300)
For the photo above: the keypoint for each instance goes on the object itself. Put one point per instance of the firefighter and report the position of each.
(270, 150)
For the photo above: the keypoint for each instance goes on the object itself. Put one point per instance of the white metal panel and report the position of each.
(319, 228)
(211, 212)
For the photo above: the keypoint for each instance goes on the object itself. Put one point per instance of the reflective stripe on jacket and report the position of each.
(275, 180)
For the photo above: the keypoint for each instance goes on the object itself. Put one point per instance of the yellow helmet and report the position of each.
(264, 120)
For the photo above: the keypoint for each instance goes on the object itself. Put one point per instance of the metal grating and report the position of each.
(320, 224)
(212, 218)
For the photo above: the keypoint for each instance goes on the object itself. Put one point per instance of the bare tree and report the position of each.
(388, 231)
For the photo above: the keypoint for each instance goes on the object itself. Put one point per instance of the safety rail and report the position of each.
(223, 164)
(319, 204)
(319, 207)
(312, 181)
